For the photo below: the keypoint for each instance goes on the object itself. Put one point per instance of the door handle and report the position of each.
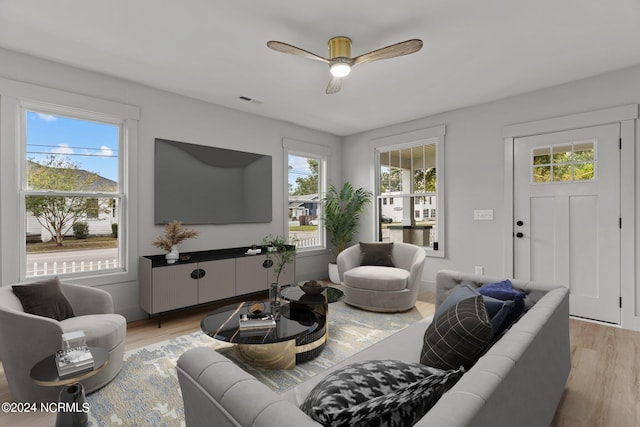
(519, 235)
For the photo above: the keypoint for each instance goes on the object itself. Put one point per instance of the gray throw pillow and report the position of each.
(458, 337)
(377, 254)
(44, 299)
(378, 393)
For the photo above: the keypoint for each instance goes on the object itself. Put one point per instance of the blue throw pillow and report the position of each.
(464, 291)
(501, 290)
(504, 291)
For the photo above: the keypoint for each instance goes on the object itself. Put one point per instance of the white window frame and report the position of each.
(320, 153)
(434, 135)
(15, 98)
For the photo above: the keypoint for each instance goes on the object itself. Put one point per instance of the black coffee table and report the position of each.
(299, 331)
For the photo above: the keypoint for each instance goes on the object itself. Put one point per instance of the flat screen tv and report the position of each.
(199, 184)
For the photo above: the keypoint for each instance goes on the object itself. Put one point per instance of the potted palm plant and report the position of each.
(341, 216)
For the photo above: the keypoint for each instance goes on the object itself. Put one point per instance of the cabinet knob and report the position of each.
(268, 263)
(198, 273)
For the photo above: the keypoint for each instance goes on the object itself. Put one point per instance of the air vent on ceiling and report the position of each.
(247, 99)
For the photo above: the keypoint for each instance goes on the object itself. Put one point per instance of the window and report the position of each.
(306, 165)
(71, 175)
(409, 173)
(564, 163)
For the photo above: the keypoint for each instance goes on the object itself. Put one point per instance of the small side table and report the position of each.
(45, 373)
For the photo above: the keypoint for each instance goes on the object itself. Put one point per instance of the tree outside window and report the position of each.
(71, 171)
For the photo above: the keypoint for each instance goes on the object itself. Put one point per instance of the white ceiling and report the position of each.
(215, 50)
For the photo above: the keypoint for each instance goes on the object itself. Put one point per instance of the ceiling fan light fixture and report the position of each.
(340, 69)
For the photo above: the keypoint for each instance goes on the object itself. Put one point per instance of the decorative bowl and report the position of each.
(312, 287)
(256, 310)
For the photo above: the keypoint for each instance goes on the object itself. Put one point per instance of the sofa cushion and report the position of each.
(458, 337)
(500, 312)
(378, 393)
(377, 278)
(101, 330)
(377, 254)
(44, 299)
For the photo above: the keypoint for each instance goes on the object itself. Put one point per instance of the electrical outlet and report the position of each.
(479, 270)
(483, 215)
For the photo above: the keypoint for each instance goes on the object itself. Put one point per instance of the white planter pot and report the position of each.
(333, 273)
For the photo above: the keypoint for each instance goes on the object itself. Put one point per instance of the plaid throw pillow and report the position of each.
(458, 337)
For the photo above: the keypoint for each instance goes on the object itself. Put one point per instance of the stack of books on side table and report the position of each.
(73, 360)
(265, 321)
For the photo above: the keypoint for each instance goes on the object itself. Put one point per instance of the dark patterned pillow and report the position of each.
(44, 299)
(377, 254)
(458, 337)
(500, 312)
(378, 393)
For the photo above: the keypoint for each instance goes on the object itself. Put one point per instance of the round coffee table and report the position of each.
(278, 347)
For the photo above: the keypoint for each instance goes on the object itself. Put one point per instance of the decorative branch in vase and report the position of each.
(174, 233)
(278, 253)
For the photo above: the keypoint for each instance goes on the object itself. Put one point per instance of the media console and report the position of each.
(203, 277)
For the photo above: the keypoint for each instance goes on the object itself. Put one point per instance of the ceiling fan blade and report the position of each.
(398, 49)
(293, 50)
(334, 85)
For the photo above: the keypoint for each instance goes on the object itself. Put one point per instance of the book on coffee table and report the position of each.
(262, 322)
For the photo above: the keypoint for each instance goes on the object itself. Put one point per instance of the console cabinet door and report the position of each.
(173, 287)
(251, 276)
(219, 280)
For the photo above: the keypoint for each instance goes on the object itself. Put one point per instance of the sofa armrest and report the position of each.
(214, 388)
(87, 300)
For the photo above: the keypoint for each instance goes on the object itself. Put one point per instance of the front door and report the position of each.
(567, 216)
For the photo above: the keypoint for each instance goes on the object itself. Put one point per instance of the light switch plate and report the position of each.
(483, 215)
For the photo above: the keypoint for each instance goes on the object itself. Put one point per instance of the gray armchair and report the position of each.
(378, 288)
(26, 339)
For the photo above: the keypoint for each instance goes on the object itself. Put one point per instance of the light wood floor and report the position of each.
(603, 389)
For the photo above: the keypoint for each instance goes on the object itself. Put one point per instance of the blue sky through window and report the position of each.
(298, 167)
(91, 145)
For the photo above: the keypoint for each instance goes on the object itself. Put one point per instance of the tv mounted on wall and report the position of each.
(199, 184)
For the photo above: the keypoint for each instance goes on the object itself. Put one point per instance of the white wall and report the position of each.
(475, 164)
(174, 117)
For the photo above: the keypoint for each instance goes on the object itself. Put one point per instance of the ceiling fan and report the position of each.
(340, 60)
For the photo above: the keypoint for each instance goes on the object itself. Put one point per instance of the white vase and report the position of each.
(172, 256)
(333, 273)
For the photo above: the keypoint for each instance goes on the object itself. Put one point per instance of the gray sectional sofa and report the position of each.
(518, 381)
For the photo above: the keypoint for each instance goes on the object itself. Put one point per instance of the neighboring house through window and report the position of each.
(306, 176)
(409, 175)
